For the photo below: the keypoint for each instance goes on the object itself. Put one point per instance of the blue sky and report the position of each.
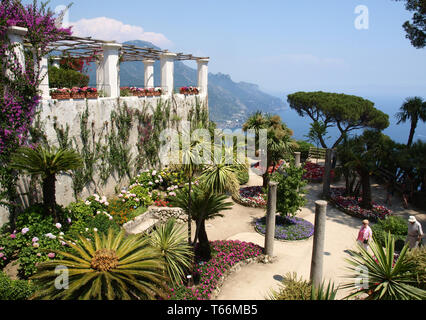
(281, 45)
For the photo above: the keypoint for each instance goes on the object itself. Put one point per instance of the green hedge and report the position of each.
(397, 226)
(62, 78)
(304, 149)
(15, 289)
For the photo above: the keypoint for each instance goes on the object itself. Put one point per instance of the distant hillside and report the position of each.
(228, 100)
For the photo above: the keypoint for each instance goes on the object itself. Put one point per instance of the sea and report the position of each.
(389, 105)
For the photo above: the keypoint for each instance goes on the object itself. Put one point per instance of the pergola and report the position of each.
(86, 47)
(109, 55)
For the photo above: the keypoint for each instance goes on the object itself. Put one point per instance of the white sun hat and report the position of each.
(412, 219)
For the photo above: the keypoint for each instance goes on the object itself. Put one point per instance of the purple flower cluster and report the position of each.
(226, 254)
(288, 228)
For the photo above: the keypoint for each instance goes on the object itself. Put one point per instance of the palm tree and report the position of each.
(170, 241)
(205, 206)
(110, 268)
(47, 162)
(279, 142)
(384, 278)
(191, 161)
(414, 110)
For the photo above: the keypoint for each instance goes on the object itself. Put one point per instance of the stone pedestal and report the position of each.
(298, 162)
(319, 239)
(271, 219)
(327, 174)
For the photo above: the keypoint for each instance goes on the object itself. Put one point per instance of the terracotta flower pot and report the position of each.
(60, 95)
(157, 94)
(78, 95)
(92, 95)
(138, 94)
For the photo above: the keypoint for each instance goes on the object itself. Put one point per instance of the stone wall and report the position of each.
(68, 112)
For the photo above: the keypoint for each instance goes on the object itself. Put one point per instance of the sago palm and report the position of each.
(413, 110)
(169, 239)
(112, 267)
(205, 206)
(382, 277)
(46, 162)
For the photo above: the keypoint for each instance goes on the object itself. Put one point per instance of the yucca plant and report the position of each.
(220, 177)
(294, 288)
(47, 162)
(323, 293)
(384, 278)
(170, 240)
(113, 267)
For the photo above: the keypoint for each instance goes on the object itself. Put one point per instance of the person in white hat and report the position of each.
(365, 235)
(415, 233)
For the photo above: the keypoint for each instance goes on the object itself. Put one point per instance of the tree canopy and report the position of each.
(346, 112)
(416, 28)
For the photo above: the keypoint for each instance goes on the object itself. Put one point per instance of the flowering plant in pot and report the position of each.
(158, 92)
(137, 92)
(92, 93)
(78, 93)
(189, 90)
(60, 94)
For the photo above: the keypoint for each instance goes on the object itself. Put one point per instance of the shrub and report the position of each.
(290, 190)
(418, 258)
(102, 223)
(303, 148)
(62, 78)
(243, 176)
(15, 289)
(397, 226)
(291, 288)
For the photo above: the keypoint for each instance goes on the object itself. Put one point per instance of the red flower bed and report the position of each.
(226, 254)
(351, 206)
(315, 172)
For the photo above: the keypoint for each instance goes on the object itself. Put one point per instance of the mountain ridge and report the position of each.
(230, 102)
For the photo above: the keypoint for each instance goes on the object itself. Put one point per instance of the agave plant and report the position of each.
(384, 278)
(170, 240)
(112, 268)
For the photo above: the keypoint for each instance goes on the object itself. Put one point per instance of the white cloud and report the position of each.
(104, 28)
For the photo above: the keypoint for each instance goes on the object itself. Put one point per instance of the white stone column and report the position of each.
(149, 73)
(167, 72)
(55, 62)
(111, 69)
(203, 75)
(100, 83)
(16, 38)
(44, 76)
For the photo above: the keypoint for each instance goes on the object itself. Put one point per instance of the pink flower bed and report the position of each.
(315, 172)
(226, 254)
(351, 205)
